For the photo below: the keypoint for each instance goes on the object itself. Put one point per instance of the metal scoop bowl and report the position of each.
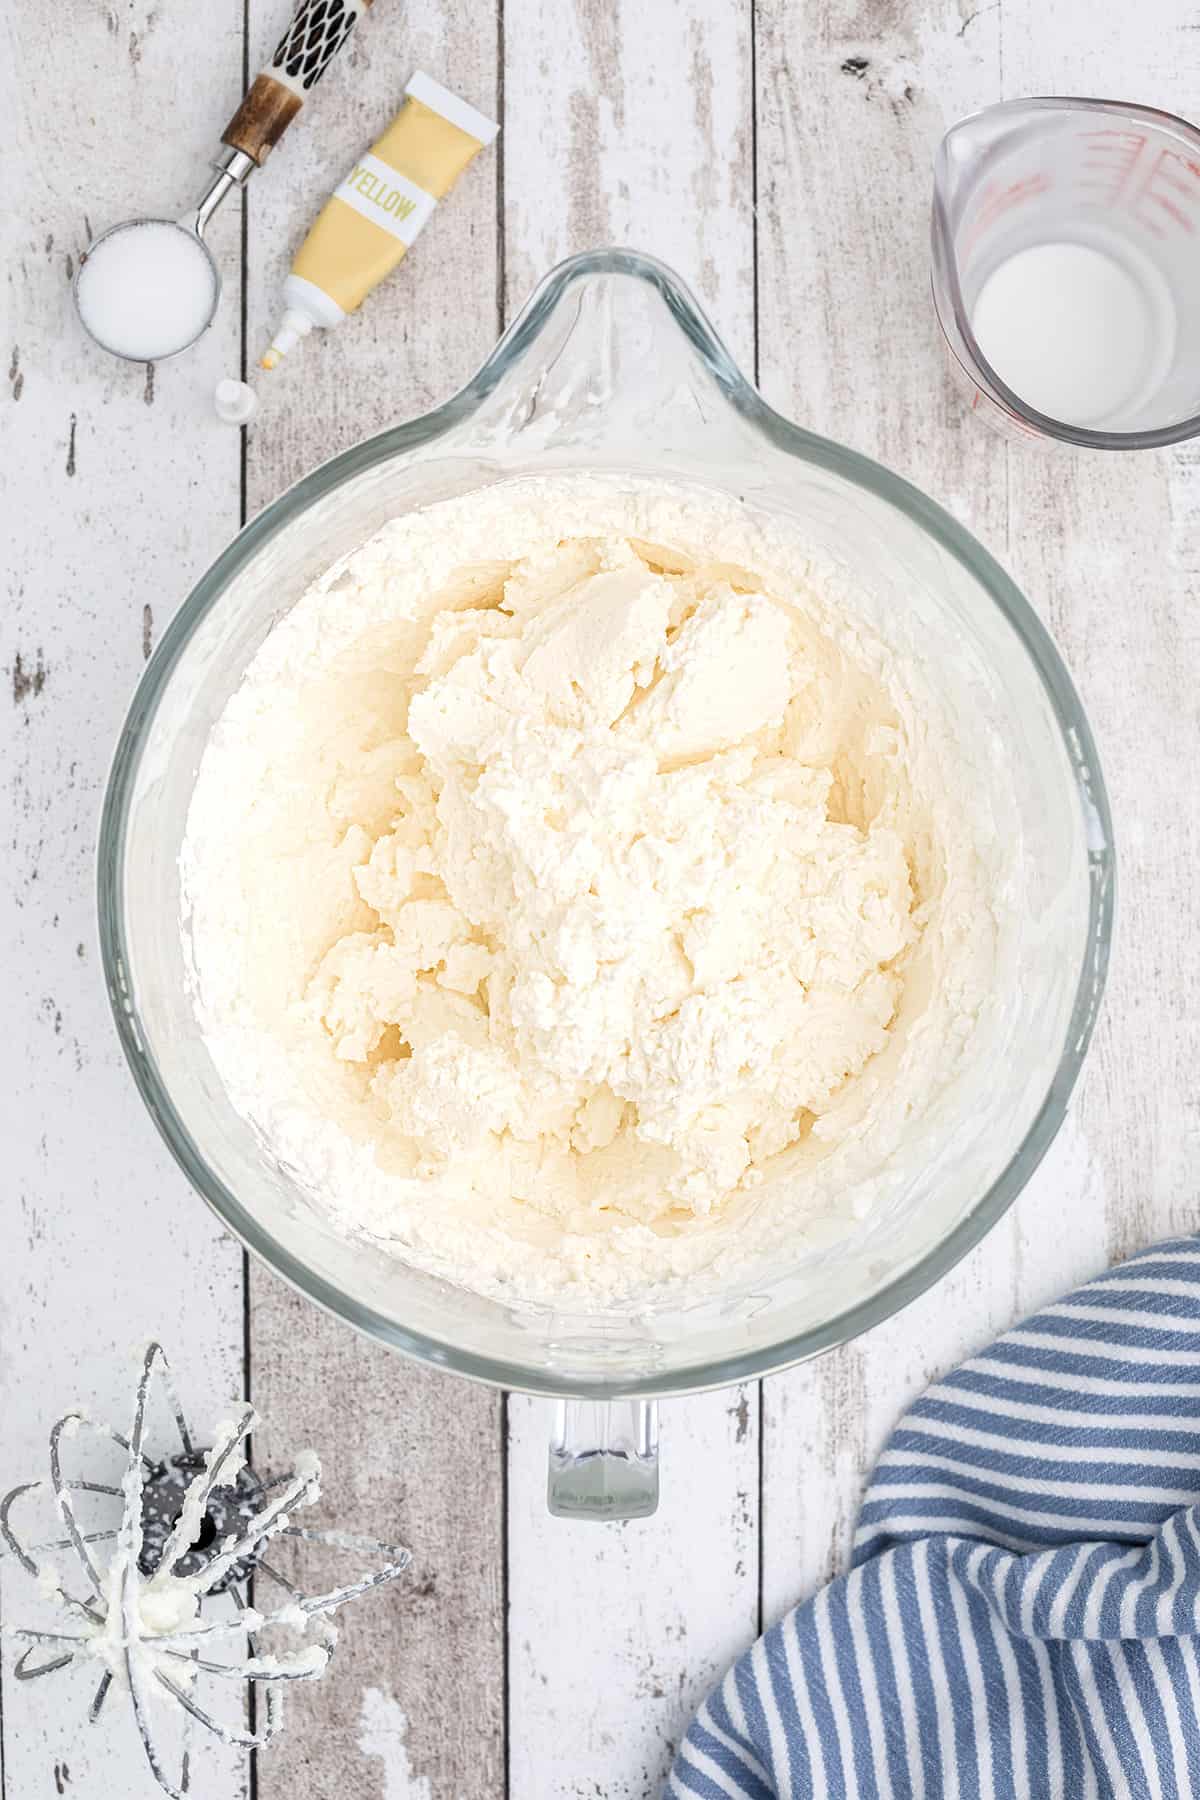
(207, 276)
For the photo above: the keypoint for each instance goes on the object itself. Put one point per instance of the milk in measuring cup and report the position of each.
(1077, 333)
(1064, 254)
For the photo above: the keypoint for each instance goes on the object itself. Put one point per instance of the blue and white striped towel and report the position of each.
(1022, 1612)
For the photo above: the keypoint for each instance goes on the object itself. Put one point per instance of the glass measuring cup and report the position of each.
(1117, 187)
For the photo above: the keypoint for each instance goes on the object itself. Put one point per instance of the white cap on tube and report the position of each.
(235, 402)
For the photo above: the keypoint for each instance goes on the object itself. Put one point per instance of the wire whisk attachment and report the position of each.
(189, 1528)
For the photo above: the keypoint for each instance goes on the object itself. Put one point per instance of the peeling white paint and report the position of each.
(382, 1732)
(1183, 498)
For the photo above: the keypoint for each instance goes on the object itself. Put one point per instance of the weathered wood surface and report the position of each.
(851, 104)
(636, 130)
(117, 488)
(852, 101)
(525, 1655)
(418, 1685)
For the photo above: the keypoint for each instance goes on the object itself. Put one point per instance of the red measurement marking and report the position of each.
(1160, 212)
(1116, 154)
(972, 233)
(1172, 211)
(1186, 188)
(1126, 137)
(994, 202)
(1120, 159)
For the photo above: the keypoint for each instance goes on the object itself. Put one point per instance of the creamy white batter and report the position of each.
(583, 895)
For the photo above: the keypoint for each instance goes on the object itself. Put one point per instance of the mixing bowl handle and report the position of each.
(603, 1459)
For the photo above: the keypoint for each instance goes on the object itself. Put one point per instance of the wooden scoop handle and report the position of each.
(317, 32)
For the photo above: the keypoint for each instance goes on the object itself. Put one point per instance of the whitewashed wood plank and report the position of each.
(629, 124)
(117, 488)
(825, 1423)
(616, 1632)
(422, 333)
(414, 1703)
(852, 101)
(851, 104)
(1105, 540)
(1098, 1193)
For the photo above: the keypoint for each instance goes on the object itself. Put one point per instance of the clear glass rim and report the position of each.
(807, 447)
(947, 266)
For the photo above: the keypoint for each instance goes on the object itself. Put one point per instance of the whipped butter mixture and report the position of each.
(583, 896)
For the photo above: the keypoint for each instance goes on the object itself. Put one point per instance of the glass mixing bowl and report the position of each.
(613, 367)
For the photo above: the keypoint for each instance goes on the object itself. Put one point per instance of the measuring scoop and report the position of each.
(148, 288)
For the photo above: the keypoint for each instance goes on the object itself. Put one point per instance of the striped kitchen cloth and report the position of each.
(1022, 1610)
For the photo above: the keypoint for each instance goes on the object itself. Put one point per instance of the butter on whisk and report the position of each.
(369, 222)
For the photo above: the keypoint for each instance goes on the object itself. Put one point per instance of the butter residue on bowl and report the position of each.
(581, 895)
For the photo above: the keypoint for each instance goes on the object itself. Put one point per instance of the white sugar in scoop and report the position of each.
(147, 289)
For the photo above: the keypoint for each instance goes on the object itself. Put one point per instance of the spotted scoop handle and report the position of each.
(317, 32)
